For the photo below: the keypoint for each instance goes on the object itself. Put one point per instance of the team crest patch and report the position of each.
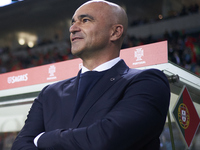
(183, 116)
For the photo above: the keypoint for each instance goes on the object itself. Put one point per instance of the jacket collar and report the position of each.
(110, 78)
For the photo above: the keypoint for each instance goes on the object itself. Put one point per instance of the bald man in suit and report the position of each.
(107, 106)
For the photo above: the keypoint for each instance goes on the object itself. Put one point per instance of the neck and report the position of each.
(95, 62)
(93, 59)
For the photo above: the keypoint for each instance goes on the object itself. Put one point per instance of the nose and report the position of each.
(74, 28)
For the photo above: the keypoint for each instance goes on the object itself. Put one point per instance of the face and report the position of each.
(90, 30)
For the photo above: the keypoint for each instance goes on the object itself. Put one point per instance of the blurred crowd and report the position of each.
(192, 9)
(43, 53)
(183, 50)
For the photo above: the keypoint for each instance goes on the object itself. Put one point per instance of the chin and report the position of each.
(76, 52)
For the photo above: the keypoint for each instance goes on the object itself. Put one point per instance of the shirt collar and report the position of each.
(105, 66)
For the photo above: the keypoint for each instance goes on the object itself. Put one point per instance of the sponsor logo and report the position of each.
(18, 78)
(52, 70)
(183, 116)
(139, 52)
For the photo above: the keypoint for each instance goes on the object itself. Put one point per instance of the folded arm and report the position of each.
(135, 120)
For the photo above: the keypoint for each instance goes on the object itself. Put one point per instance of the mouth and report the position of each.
(76, 38)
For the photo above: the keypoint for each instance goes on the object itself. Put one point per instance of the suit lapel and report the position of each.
(108, 80)
(69, 93)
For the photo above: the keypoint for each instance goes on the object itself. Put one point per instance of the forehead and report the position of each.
(93, 9)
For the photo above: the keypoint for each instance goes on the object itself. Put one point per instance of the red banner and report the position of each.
(139, 56)
(146, 55)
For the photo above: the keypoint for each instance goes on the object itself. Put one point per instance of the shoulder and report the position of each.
(66, 81)
(58, 85)
(144, 71)
(148, 74)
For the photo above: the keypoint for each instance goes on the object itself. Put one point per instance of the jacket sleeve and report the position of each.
(33, 126)
(137, 119)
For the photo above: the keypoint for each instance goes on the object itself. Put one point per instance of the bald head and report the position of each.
(97, 31)
(113, 12)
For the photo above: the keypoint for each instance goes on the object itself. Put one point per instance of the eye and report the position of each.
(85, 20)
(72, 22)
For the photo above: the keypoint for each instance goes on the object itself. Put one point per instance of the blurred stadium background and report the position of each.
(36, 32)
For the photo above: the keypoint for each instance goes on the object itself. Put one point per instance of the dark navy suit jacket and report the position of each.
(125, 110)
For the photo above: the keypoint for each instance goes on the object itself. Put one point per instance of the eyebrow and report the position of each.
(83, 16)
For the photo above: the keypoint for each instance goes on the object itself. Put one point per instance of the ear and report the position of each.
(117, 31)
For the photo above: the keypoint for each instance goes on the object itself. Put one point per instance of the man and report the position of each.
(121, 109)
